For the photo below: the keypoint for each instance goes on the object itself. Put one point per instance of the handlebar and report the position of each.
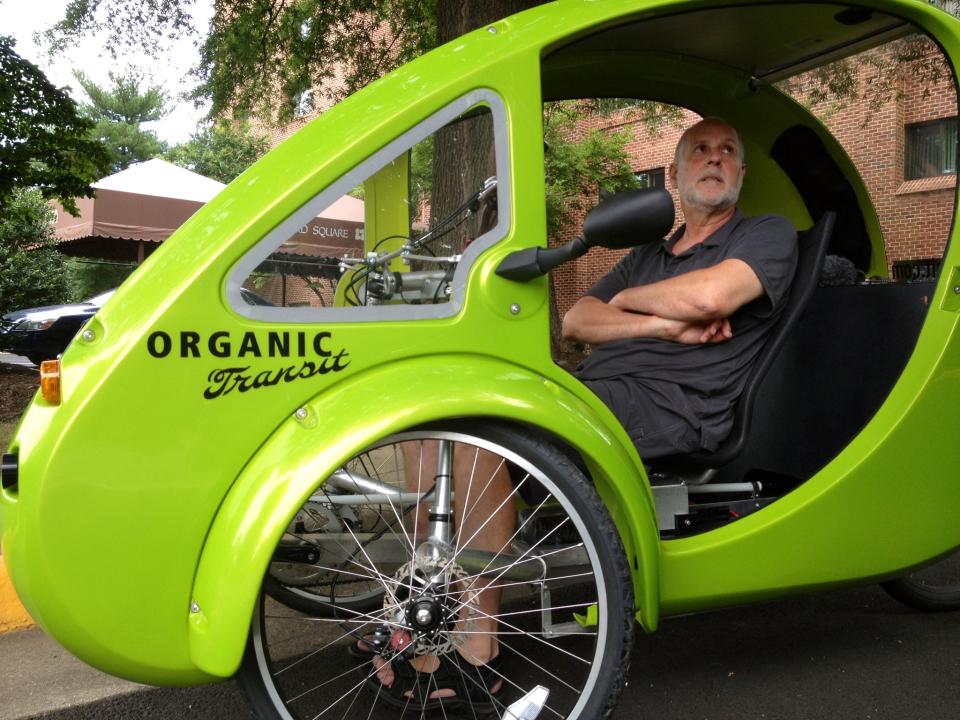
(414, 287)
(372, 282)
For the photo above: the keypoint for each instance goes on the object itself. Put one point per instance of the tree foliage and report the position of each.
(598, 161)
(257, 49)
(293, 47)
(221, 151)
(92, 277)
(119, 111)
(876, 76)
(44, 143)
(145, 25)
(32, 272)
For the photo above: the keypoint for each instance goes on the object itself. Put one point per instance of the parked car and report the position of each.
(42, 333)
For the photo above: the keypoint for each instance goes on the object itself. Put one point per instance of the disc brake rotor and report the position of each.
(457, 606)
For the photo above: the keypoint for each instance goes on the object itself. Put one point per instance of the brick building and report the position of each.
(905, 150)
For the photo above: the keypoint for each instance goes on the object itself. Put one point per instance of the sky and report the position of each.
(23, 18)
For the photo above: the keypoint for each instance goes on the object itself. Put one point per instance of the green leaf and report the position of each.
(44, 142)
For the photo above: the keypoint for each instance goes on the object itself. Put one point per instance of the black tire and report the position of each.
(297, 666)
(36, 359)
(935, 588)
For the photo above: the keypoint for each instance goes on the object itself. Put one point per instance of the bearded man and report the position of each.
(676, 325)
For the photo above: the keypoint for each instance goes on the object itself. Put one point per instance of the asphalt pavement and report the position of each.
(845, 655)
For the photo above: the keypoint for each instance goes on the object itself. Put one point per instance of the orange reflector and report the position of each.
(50, 381)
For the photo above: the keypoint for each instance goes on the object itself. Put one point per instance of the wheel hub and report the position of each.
(425, 615)
(431, 611)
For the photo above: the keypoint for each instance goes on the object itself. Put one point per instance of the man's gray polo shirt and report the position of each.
(699, 384)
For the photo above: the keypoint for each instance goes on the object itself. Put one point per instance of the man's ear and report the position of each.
(672, 174)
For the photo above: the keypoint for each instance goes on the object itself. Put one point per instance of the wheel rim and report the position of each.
(302, 661)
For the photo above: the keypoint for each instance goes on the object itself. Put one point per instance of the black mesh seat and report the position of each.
(812, 249)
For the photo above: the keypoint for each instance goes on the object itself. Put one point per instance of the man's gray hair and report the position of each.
(685, 138)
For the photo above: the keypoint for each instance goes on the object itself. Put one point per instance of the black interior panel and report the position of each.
(821, 184)
(832, 374)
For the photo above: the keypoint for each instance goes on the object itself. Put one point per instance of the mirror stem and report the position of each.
(529, 263)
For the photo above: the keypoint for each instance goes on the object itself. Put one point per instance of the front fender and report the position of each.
(337, 424)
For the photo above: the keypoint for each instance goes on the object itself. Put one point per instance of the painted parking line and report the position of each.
(13, 616)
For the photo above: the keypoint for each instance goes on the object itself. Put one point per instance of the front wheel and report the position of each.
(935, 588)
(534, 574)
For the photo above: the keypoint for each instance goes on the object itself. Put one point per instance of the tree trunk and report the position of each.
(463, 153)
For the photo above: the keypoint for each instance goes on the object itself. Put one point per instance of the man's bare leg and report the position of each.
(484, 522)
(486, 515)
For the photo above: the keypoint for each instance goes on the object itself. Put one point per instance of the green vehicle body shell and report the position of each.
(146, 514)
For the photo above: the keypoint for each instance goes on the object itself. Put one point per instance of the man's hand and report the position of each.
(694, 333)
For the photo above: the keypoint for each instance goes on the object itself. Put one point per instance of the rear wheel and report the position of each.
(562, 621)
(935, 588)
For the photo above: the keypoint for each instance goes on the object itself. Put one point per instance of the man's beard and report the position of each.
(692, 196)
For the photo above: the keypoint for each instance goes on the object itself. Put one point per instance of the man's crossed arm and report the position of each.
(690, 308)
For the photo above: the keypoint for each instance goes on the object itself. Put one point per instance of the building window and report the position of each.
(931, 148)
(923, 269)
(652, 178)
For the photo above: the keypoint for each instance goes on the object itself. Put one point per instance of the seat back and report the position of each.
(812, 247)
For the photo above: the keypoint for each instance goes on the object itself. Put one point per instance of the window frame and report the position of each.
(909, 152)
(659, 170)
(339, 187)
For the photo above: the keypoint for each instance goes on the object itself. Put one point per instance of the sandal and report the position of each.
(365, 648)
(473, 685)
(362, 649)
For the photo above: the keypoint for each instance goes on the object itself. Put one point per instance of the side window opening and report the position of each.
(864, 318)
(896, 118)
(863, 322)
(398, 242)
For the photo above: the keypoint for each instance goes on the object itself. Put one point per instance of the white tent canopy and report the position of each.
(162, 179)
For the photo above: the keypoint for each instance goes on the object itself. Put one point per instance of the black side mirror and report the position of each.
(628, 218)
